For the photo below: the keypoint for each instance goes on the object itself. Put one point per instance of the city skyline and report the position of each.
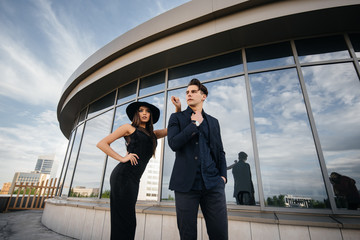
(41, 44)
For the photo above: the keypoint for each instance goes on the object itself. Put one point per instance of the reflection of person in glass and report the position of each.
(345, 187)
(199, 173)
(141, 141)
(243, 187)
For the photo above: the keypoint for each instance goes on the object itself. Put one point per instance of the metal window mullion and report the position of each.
(86, 112)
(353, 54)
(77, 157)
(163, 142)
(253, 134)
(67, 156)
(314, 129)
(137, 89)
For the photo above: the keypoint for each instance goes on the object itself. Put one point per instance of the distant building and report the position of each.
(44, 164)
(149, 184)
(5, 188)
(296, 201)
(26, 177)
(81, 191)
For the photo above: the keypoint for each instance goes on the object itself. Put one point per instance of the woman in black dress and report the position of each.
(141, 141)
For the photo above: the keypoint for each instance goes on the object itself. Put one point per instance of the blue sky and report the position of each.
(42, 42)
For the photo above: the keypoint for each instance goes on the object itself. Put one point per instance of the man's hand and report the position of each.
(197, 116)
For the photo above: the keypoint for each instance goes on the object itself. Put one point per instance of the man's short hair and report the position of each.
(201, 87)
(242, 155)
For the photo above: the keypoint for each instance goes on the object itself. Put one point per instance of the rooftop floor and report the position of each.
(26, 224)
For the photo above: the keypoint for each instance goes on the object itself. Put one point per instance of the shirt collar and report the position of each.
(189, 111)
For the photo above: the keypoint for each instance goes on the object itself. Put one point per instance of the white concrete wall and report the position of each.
(86, 222)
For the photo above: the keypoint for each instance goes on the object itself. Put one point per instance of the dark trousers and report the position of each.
(213, 207)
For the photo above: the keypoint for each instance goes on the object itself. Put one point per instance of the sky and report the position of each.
(42, 42)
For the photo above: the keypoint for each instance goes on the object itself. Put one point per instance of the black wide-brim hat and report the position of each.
(134, 107)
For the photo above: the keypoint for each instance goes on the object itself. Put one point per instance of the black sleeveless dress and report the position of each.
(124, 186)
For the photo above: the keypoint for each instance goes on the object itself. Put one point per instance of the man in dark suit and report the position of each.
(244, 187)
(199, 172)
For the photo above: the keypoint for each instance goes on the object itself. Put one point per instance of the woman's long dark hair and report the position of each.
(149, 127)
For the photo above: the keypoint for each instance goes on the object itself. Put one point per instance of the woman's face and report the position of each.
(144, 114)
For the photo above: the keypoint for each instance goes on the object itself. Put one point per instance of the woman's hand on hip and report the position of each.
(132, 157)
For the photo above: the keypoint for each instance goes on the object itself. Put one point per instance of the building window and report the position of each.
(287, 155)
(119, 146)
(355, 41)
(296, 116)
(211, 68)
(91, 160)
(322, 49)
(127, 92)
(152, 84)
(269, 56)
(101, 105)
(334, 92)
(72, 161)
(228, 103)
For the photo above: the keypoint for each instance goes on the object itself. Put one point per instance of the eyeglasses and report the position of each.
(192, 91)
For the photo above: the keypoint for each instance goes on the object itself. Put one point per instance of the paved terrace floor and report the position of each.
(25, 224)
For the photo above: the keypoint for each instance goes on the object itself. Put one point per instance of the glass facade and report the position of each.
(293, 107)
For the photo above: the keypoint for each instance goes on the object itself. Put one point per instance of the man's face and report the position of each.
(194, 96)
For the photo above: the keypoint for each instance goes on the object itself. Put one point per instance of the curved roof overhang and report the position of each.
(202, 28)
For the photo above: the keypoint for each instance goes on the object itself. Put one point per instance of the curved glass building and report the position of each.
(283, 81)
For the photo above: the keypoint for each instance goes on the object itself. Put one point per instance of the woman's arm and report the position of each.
(104, 144)
(160, 133)
(163, 132)
(177, 103)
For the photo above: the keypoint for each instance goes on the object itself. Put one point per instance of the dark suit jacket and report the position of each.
(242, 177)
(182, 140)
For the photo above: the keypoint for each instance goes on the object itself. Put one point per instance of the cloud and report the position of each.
(70, 44)
(36, 73)
(25, 78)
(21, 145)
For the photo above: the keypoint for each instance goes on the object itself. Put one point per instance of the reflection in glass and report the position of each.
(244, 191)
(73, 155)
(119, 146)
(268, 56)
(288, 160)
(150, 180)
(152, 83)
(169, 155)
(66, 162)
(334, 92)
(88, 174)
(127, 92)
(355, 41)
(216, 67)
(346, 193)
(321, 49)
(101, 105)
(227, 102)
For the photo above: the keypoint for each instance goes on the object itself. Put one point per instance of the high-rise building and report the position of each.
(45, 164)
